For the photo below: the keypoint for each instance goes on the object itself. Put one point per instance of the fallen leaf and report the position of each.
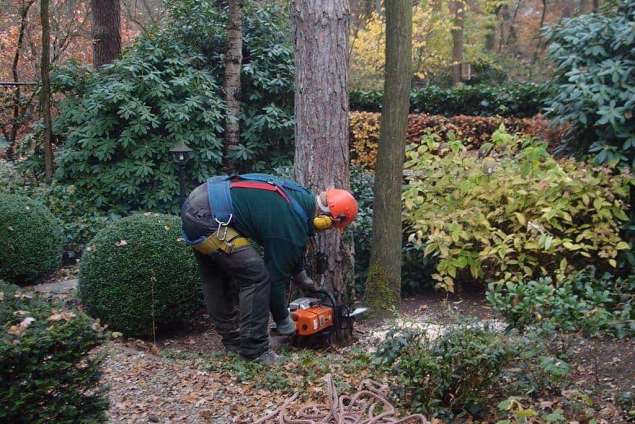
(17, 330)
(121, 243)
(58, 316)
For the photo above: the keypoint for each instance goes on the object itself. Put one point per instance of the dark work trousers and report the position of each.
(236, 286)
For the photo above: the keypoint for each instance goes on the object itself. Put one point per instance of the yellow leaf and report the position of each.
(613, 263)
(521, 218)
(622, 246)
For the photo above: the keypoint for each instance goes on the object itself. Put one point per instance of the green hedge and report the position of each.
(139, 277)
(49, 374)
(515, 99)
(31, 239)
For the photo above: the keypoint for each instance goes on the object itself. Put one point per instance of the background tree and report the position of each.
(45, 89)
(231, 85)
(10, 129)
(321, 113)
(384, 275)
(458, 24)
(106, 31)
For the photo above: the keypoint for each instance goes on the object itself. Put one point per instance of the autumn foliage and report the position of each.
(473, 130)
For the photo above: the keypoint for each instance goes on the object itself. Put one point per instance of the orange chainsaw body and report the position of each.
(312, 320)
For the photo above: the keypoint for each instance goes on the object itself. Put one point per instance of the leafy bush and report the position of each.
(595, 83)
(514, 214)
(48, 371)
(473, 130)
(466, 367)
(138, 276)
(117, 133)
(79, 221)
(118, 124)
(449, 374)
(517, 99)
(584, 302)
(31, 239)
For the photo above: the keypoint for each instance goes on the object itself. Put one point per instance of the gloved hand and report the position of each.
(305, 283)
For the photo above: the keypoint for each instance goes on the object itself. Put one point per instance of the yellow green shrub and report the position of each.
(511, 211)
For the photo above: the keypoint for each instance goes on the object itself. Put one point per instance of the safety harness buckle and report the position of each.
(223, 226)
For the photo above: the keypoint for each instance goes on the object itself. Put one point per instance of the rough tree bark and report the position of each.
(231, 85)
(45, 89)
(321, 117)
(384, 274)
(106, 31)
(458, 23)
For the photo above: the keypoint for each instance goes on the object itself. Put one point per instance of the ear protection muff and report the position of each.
(323, 222)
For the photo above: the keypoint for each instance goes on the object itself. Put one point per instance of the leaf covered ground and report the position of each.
(187, 378)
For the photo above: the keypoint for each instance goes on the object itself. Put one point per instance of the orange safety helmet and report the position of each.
(342, 207)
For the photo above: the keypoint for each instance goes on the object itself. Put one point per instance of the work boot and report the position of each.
(269, 358)
(286, 327)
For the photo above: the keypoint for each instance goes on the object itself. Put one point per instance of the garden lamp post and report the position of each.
(181, 154)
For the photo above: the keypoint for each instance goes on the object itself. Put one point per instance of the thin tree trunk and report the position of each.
(458, 8)
(106, 31)
(45, 90)
(321, 117)
(596, 6)
(384, 275)
(17, 94)
(231, 85)
(539, 44)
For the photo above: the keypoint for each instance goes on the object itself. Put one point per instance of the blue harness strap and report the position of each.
(218, 188)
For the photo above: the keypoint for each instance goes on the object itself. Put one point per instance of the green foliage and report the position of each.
(516, 214)
(466, 367)
(118, 124)
(583, 302)
(118, 133)
(48, 371)
(447, 375)
(138, 276)
(516, 99)
(31, 239)
(595, 83)
(80, 222)
(267, 76)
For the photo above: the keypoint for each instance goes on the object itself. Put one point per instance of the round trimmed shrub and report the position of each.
(31, 239)
(137, 276)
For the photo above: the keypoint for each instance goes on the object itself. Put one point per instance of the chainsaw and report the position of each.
(321, 321)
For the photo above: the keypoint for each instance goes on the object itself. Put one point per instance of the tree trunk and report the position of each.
(458, 23)
(231, 85)
(384, 274)
(595, 6)
(45, 90)
(321, 118)
(17, 94)
(106, 31)
(539, 44)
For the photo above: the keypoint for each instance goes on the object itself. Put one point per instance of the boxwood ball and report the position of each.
(137, 274)
(31, 239)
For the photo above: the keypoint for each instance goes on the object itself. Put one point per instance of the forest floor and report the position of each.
(187, 378)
